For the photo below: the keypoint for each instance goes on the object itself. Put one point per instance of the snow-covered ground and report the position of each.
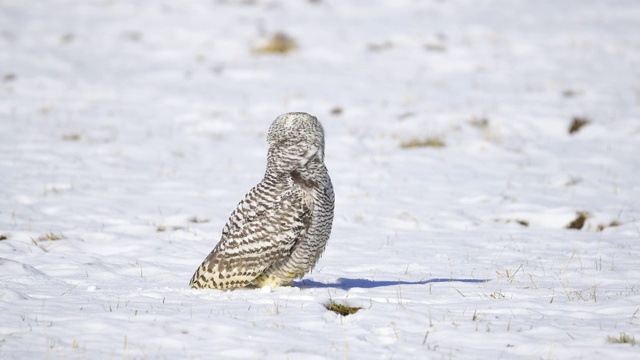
(129, 130)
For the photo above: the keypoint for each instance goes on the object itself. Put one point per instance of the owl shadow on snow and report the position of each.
(348, 284)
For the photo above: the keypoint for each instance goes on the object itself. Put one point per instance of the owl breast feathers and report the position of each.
(281, 227)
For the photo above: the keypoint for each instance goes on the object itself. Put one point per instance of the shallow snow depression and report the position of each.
(483, 154)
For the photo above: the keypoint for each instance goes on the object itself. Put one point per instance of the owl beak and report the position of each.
(309, 155)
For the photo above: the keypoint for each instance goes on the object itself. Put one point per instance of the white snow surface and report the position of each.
(129, 130)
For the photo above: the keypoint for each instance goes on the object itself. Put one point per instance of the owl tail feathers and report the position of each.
(205, 278)
(208, 280)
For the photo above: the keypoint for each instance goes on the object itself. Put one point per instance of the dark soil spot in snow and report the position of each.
(522, 222)
(67, 39)
(614, 223)
(578, 222)
(569, 93)
(380, 47)
(71, 137)
(577, 124)
(480, 123)
(573, 181)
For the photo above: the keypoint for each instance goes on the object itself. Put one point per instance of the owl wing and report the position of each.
(255, 237)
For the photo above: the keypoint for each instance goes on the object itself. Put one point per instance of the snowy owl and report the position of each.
(281, 227)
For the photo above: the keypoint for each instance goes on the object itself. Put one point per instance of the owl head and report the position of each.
(294, 140)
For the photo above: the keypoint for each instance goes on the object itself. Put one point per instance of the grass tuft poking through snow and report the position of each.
(279, 43)
(51, 237)
(342, 309)
(431, 141)
(623, 338)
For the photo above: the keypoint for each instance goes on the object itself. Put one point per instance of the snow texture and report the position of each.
(129, 130)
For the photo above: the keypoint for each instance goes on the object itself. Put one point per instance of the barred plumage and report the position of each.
(281, 227)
